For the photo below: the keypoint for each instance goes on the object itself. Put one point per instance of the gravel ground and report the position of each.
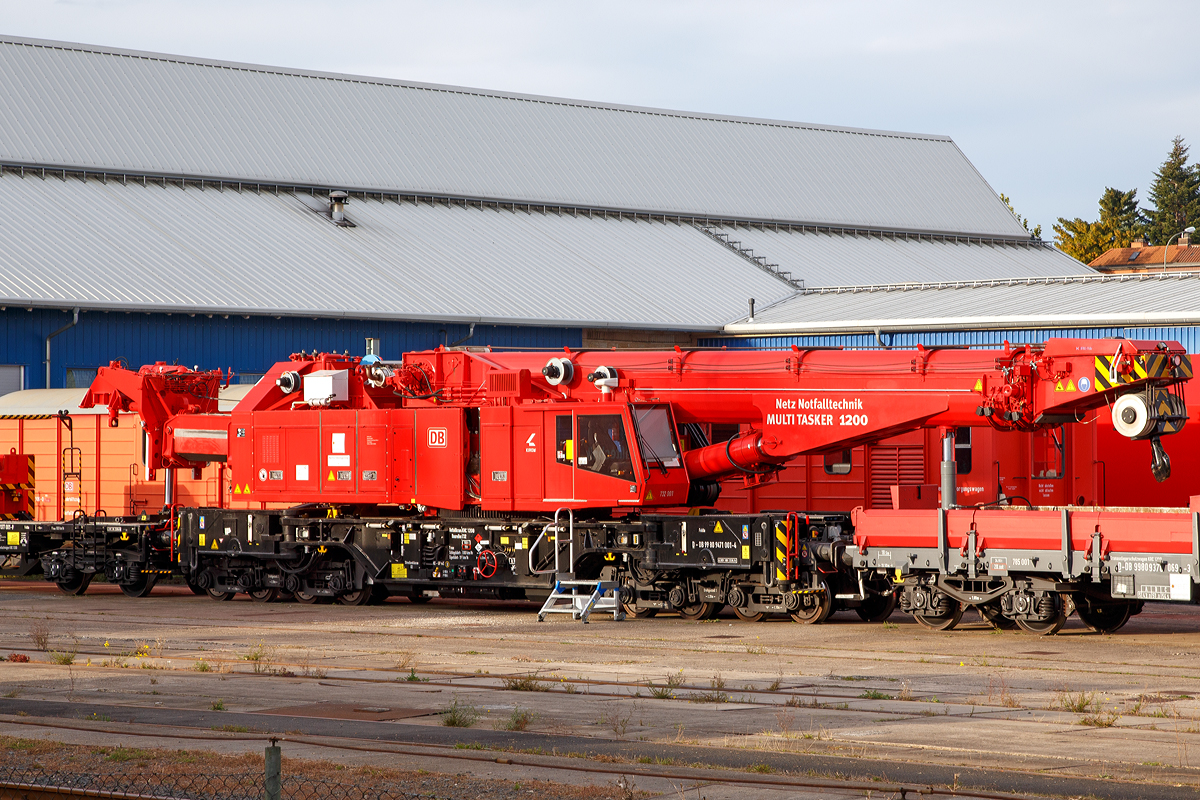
(205, 774)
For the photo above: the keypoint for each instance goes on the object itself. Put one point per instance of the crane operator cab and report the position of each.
(620, 455)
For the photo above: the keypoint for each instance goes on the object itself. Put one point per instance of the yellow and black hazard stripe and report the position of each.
(781, 551)
(28, 416)
(1150, 365)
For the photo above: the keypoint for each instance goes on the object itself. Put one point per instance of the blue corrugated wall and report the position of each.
(1189, 337)
(247, 345)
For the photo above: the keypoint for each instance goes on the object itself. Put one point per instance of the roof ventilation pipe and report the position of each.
(337, 206)
(751, 317)
(74, 321)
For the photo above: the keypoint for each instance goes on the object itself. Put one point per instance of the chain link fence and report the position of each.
(35, 782)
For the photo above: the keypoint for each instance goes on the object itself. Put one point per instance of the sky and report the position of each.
(1051, 101)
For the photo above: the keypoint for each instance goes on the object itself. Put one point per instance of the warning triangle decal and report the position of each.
(237, 489)
(1070, 385)
(214, 547)
(718, 528)
(1058, 387)
(978, 385)
(330, 475)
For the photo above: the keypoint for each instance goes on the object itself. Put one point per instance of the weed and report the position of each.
(122, 754)
(905, 691)
(12, 693)
(231, 728)
(774, 685)
(18, 658)
(998, 692)
(615, 721)
(715, 694)
(261, 657)
(875, 694)
(218, 705)
(100, 717)
(1100, 718)
(765, 769)
(309, 671)
(518, 720)
(63, 659)
(525, 683)
(891, 626)
(39, 634)
(469, 746)
(202, 666)
(153, 681)
(756, 650)
(407, 660)
(413, 678)
(459, 714)
(1080, 703)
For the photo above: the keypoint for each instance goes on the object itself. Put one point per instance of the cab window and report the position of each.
(602, 446)
(656, 437)
(564, 445)
(962, 451)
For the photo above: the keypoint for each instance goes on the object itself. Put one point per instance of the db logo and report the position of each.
(437, 437)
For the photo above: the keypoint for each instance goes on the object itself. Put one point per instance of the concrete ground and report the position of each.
(1113, 715)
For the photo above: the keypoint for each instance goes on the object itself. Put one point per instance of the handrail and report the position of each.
(570, 534)
(533, 570)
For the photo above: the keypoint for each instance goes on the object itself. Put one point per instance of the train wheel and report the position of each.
(877, 607)
(417, 597)
(699, 610)
(1104, 618)
(194, 587)
(821, 606)
(993, 616)
(379, 595)
(217, 594)
(359, 598)
(1043, 627)
(77, 584)
(747, 616)
(946, 620)
(141, 587)
(638, 613)
(268, 595)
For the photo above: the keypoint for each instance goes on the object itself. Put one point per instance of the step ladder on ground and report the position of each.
(581, 598)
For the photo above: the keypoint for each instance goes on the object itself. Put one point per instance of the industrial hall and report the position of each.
(225, 215)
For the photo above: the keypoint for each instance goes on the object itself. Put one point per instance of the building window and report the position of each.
(79, 378)
(838, 463)
(247, 377)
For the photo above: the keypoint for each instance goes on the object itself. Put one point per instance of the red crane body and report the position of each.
(525, 432)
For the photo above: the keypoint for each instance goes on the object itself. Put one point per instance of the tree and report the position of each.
(1175, 194)
(1120, 217)
(1120, 223)
(1079, 238)
(1036, 233)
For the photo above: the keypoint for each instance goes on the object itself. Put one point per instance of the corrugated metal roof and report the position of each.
(834, 259)
(1095, 301)
(38, 402)
(101, 109)
(166, 248)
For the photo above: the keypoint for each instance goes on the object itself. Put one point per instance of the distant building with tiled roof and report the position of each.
(1142, 258)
